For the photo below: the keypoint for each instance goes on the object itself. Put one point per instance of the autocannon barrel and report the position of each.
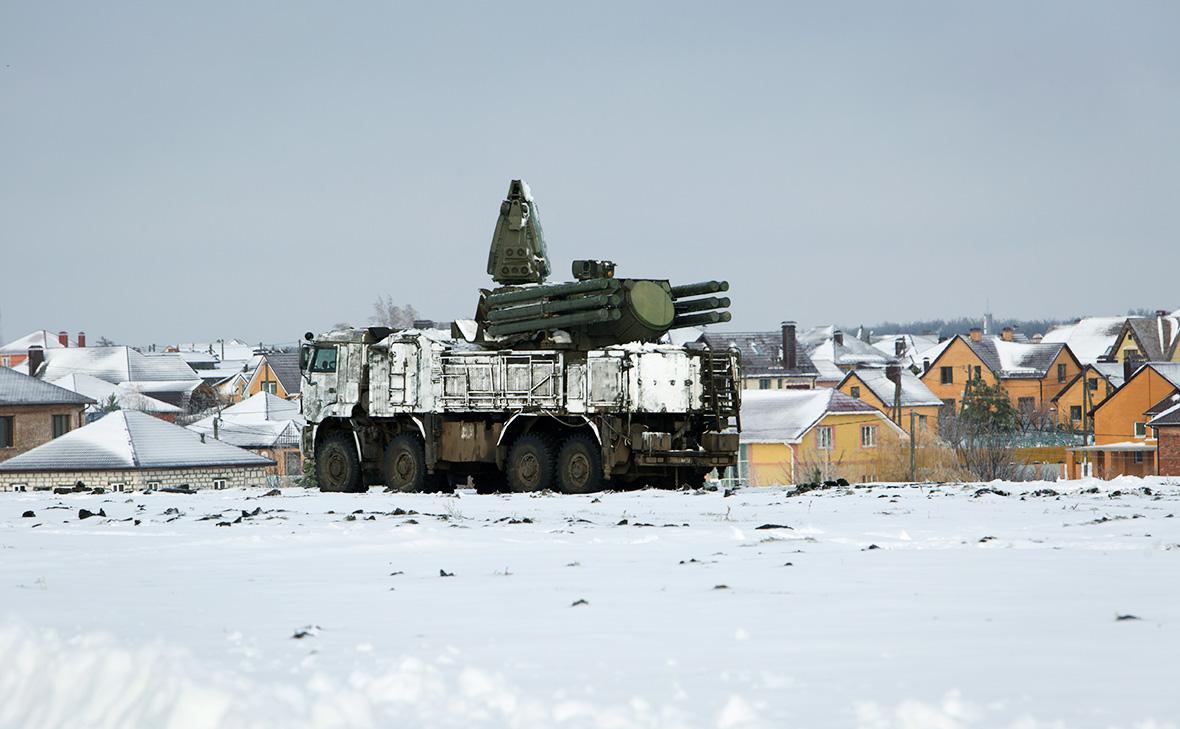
(710, 302)
(533, 293)
(580, 318)
(558, 306)
(697, 289)
(696, 320)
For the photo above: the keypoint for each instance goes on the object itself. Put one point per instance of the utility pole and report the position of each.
(913, 452)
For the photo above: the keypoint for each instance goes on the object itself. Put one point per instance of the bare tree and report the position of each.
(388, 314)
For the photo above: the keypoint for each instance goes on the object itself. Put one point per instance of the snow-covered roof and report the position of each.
(263, 406)
(762, 353)
(231, 349)
(115, 364)
(260, 421)
(1170, 371)
(1157, 335)
(1090, 338)
(1012, 359)
(127, 439)
(1112, 371)
(913, 346)
(128, 395)
(784, 416)
(1171, 416)
(17, 388)
(933, 353)
(40, 338)
(914, 392)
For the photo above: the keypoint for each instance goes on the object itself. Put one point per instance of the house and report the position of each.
(794, 436)
(1031, 373)
(770, 360)
(1096, 382)
(1167, 435)
(164, 377)
(277, 373)
(1123, 445)
(33, 412)
(1148, 339)
(128, 450)
(264, 424)
(15, 353)
(1090, 339)
(833, 354)
(881, 389)
(126, 396)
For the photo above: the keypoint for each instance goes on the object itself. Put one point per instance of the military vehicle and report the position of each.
(570, 386)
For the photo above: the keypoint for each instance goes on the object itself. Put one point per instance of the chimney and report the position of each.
(1007, 334)
(81, 339)
(893, 374)
(63, 337)
(838, 338)
(36, 357)
(925, 365)
(1130, 364)
(1161, 313)
(789, 359)
(1037, 338)
(899, 347)
(976, 334)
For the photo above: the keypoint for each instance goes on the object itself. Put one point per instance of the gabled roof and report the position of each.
(130, 440)
(126, 395)
(1170, 416)
(914, 392)
(40, 338)
(263, 406)
(1157, 335)
(1015, 359)
(849, 352)
(17, 388)
(1090, 338)
(1112, 372)
(1170, 371)
(785, 416)
(286, 368)
(260, 421)
(914, 346)
(762, 353)
(115, 365)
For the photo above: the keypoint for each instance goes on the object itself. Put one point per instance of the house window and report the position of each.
(855, 391)
(153, 485)
(780, 383)
(1138, 456)
(61, 425)
(218, 483)
(868, 436)
(1140, 430)
(1061, 373)
(1092, 383)
(7, 423)
(823, 438)
(17, 487)
(117, 486)
(977, 372)
(1075, 412)
(764, 383)
(271, 387)
(922, 422)
(946, 375)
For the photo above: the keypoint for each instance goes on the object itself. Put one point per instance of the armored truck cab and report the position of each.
(417, 410)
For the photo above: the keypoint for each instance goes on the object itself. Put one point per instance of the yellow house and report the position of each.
(1031, 373)
(277, 373)
(800, 436)
(1149, 339)
(1086, 391)
(919, 405)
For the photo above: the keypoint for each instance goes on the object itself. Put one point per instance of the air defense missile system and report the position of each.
(570, 386)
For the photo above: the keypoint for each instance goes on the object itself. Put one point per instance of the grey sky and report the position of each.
(260, 169)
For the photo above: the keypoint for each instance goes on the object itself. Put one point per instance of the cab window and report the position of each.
(324, 360)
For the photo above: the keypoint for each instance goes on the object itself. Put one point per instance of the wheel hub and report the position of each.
(579, 469)
(529, 469)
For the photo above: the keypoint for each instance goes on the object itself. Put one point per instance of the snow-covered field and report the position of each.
(869, 607)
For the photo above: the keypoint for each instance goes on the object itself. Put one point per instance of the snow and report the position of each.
(1089, 338)
(973, 612)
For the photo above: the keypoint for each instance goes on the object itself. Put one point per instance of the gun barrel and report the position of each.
(696, 320)
(710, 302)
(697, 289)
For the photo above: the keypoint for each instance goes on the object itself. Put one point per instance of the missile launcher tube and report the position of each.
(696, 320)
(690, 305)
(541, 308)
(581, 318)
(697, 289)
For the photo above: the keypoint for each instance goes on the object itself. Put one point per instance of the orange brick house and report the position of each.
(1031, 373)
(875, 387)
(277, 373)
(1167, 432)
(1086, 391)
(1123, 443)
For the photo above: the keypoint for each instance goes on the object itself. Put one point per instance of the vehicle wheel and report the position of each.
(404, 466)
(530, 464)
(579, 465)
(337, 464)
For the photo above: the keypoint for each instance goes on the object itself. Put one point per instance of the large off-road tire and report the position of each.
(530, 464)
(579, 465)
(404, 466)
(337, 464)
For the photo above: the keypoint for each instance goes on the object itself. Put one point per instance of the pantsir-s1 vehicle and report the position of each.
(564, 386)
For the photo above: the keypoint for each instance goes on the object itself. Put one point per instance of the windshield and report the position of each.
(324, 360)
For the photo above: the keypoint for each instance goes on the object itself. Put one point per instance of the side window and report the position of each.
(855, 392)
(1140, 430)
(6, 428)
(763, 384)
(61, 425)
(1075, 412)
(946, 375)
(1061, 373)
(868, 436)
(823, 438)
(324, 360)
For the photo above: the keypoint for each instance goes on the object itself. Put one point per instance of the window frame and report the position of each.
(871, 440)
(1140, 429)
(222, 483)
(317, 367)
(1077, 408)
(946, 375)
(57, 419)
(854, 390)
(825, 438)
(1061, 372)
(7, 432)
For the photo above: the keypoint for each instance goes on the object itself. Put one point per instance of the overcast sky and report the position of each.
(256, 170)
